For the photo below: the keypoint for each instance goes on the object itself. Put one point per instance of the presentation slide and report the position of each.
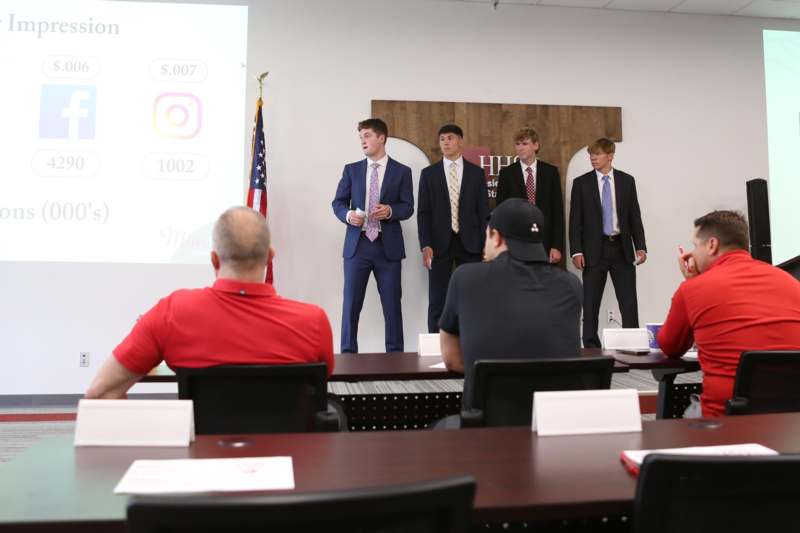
(123, 132)
(782, 75)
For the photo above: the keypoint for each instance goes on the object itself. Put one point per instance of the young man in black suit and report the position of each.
(451, 217)
(538, 183)
(606, 235)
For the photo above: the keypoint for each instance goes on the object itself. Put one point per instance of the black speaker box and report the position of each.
(758, 220)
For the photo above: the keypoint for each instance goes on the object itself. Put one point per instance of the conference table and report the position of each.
(54, 486)
(391, 366)
(389, 411)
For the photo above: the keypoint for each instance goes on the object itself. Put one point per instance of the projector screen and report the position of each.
(782, 75)
(122, 129)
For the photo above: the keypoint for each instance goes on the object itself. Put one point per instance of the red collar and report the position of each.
(734, 256)
(243, 288)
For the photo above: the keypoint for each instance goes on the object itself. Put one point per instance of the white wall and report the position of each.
(691, 90)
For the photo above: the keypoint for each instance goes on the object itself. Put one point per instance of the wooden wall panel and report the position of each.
(563, 129)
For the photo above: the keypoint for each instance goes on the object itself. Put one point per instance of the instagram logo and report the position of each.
(177, 115)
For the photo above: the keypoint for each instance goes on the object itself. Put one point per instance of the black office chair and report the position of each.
(684, 494)
(433, 506)
(766, 382)
(258, 398)
(502, 389)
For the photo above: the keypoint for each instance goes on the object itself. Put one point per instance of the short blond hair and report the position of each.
(526, 133)
(604, 145)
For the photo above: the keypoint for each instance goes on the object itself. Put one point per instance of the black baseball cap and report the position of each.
(521, 224)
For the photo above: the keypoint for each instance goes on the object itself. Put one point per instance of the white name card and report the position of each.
(429, 345)
(134, 423)
(625, 339)
(584, 412)
(174, 476)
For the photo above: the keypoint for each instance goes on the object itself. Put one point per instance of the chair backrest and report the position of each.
(684, 494)
(503, 388)
(255, 398)
(766, 382)
(433, 506)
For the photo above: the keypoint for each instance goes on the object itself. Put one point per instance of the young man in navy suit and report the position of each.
(606, 235)
(451, 217)
(372, 197)
(537, 182)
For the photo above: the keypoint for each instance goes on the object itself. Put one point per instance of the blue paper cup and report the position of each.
(652, 334)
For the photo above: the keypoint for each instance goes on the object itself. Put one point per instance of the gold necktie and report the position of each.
(452, 185)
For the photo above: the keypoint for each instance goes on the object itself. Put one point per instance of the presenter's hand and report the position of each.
(381, 212)
(355, 219)
(579, 261)
(641, 257)
(686, 264)
(555, 256)
(427, 257)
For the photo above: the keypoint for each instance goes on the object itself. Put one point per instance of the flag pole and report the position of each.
(261, 77)
(257, 193)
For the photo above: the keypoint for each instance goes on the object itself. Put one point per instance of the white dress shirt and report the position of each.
(614, 220)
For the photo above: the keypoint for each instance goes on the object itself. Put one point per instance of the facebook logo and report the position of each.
(67, 112)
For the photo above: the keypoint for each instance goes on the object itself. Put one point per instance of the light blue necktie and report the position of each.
(608, 205)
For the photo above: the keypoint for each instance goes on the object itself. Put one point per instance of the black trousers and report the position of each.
(439, 277)
(623, 276)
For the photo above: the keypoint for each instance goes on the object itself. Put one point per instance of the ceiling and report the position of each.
(783, 9)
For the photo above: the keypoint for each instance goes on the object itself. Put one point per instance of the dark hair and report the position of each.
(376, 125)
(729, 227)
(604, 145)
(450, 128)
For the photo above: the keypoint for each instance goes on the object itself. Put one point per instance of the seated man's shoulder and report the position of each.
(566, 275)
(470, 270)
(300, 308)
(188, 295)
(557, 276)
(470, 276)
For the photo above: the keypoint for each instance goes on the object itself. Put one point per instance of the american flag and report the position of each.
(257, 194)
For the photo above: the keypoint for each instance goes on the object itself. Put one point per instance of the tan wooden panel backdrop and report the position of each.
(563, 129)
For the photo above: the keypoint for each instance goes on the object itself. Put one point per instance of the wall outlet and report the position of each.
(84, 359)
(611, 317)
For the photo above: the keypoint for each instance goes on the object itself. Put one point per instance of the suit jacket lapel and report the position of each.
(541, 183)
(618, 198)
(520, 177)
(387, 175)
(464, 178)
(444, 186)
(362, 182)
(595, 188)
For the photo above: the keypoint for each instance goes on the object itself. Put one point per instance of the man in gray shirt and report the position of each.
(515, 305)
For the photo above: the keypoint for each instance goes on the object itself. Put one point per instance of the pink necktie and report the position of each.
(373, 225)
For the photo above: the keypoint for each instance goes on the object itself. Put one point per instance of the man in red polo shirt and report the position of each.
(729, 303)
(238, 320)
